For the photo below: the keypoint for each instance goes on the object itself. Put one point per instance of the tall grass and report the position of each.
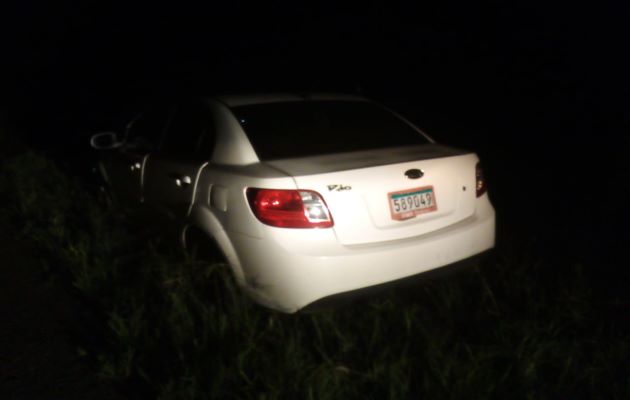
(517, 326)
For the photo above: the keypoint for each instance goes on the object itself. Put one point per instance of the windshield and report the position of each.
(309, 128)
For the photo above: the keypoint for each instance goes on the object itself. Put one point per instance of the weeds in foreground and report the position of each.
(514, 327)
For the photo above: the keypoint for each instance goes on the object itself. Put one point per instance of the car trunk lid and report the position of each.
(371, 199)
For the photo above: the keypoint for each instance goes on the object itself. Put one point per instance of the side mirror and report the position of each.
(105, 141)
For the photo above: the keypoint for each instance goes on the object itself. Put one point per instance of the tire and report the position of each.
(201, 247)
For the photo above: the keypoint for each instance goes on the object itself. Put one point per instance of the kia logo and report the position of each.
(414, 173)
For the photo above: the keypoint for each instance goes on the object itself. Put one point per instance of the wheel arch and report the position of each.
(203, 222)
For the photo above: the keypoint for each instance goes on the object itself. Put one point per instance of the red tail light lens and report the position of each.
(482, 185)
(289, 208)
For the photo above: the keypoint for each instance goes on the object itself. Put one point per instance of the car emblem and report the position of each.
(414, 173)
(339, 188)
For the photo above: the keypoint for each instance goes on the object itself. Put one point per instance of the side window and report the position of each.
(205, 146)
(190, 134)
(145, 132)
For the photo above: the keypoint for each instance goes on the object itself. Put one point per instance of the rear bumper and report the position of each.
(288, 270)
(340, 299)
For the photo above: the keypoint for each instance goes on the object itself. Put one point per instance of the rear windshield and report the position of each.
(308, 128)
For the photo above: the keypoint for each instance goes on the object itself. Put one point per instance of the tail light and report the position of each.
(289, 208)
(482, 185)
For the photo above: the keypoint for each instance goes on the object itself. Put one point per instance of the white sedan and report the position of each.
(307, 196)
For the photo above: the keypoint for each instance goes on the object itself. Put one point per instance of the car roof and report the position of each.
(236, 100)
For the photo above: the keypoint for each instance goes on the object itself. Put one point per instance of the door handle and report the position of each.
(181, 180)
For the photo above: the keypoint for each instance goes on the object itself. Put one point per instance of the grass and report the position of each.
(516, 326)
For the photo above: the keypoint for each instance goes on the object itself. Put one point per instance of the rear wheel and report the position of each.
(200, 247)
(211, 270)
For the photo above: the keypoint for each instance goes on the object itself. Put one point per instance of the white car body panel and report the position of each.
(293, 268)
(232, 146)
(360, 207)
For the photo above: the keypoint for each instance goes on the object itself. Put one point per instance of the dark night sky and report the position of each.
(460, 60)
(430, 52)
(538, 90)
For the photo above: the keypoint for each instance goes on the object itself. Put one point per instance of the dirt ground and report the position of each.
(40, 333)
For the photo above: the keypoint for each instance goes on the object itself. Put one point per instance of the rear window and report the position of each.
(309, 128)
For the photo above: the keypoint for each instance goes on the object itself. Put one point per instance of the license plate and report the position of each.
(407, 204)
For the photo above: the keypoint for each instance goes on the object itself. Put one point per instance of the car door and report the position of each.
(171, 173)
(124, 167)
